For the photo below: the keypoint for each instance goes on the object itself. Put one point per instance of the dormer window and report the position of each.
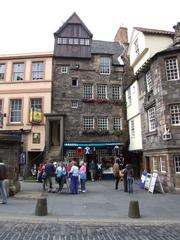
(73, 41)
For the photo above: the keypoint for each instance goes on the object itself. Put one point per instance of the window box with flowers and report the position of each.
(95, 132)
(88, 100)
(119, 133)
(99, 100)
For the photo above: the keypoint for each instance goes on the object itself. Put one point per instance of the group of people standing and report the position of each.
(51, 172)
(126, 174)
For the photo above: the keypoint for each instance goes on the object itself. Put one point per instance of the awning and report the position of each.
(92, 144)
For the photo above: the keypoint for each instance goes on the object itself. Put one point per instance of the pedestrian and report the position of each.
(82, 176)
(2, 187)
(99, 170)
(130, 177)
(60, 175)
(116, 173)
(92, 170)
(50, 175)
(74, 173)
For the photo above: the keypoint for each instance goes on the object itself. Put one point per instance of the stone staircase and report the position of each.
(53, 153)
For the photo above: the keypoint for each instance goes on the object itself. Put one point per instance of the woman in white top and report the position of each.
(74, 173)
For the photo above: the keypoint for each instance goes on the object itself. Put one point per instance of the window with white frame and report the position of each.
(64, 69)
(132, 128)
(88, 122)
(37, 70)
(88, 91)
(105, 65)
(175, 114)
(155, 163)
(18, 71)
(117, 123)
(102, 123)
(177, 163)
(116, 92)
(149, 81)
(15, 110)
(152, 119)
(74, 104)
(2, 71)
(129, 99)
(101, 91)
(163, 163)
(36, 104)
(172, 71)
(136, 47)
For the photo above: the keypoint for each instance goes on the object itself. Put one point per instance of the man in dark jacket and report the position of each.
(2, 187)
(50, 175)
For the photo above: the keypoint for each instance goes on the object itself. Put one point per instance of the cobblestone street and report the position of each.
(77, 231)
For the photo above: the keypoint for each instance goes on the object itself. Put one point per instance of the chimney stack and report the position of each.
(122, 35)
(177, 34)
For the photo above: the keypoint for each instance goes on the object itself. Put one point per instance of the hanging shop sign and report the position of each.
(35, 116)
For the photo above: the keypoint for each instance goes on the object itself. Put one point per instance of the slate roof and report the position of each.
(107, 48)
(154, 31)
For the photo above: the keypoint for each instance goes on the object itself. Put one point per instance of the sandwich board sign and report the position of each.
(153, 181)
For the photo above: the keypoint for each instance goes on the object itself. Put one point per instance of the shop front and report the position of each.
(99, 152)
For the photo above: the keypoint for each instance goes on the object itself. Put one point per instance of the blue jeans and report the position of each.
(130, 184)
(3, 191)
(83, 184)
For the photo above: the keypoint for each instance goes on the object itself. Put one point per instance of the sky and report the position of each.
(28, 25)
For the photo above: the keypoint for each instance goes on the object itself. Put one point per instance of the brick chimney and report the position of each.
(177, 33)
(122, 35)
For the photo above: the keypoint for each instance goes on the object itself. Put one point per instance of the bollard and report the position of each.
(134, 209)
(41, 207)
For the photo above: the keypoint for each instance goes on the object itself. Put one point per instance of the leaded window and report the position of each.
(88, 91)
(152, 119)
(88, 122)
(102, 123)
(101, 91)
(175, 114)
(105, 63)
(172, 71)
(117, 123)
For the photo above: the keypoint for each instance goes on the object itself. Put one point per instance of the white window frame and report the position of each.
(2, 71)
(105, 65)
(117, 123)
(116, 92)
(64, 69)
(162, 164)
(88, 122)
(102, 123)
(177, 164)
(175, 114)
(88, 91)
(132, 128)
(155, 164)
(172, 70)
(36, 104)
(74, 104)
(102, 91)
(151, 119)
(129, 97)
(15, 111)
(18, 71)
(149, 81)
(38, 70)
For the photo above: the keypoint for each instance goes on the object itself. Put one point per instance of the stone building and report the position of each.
(162, 114)
(156, 86)
(88, 119)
